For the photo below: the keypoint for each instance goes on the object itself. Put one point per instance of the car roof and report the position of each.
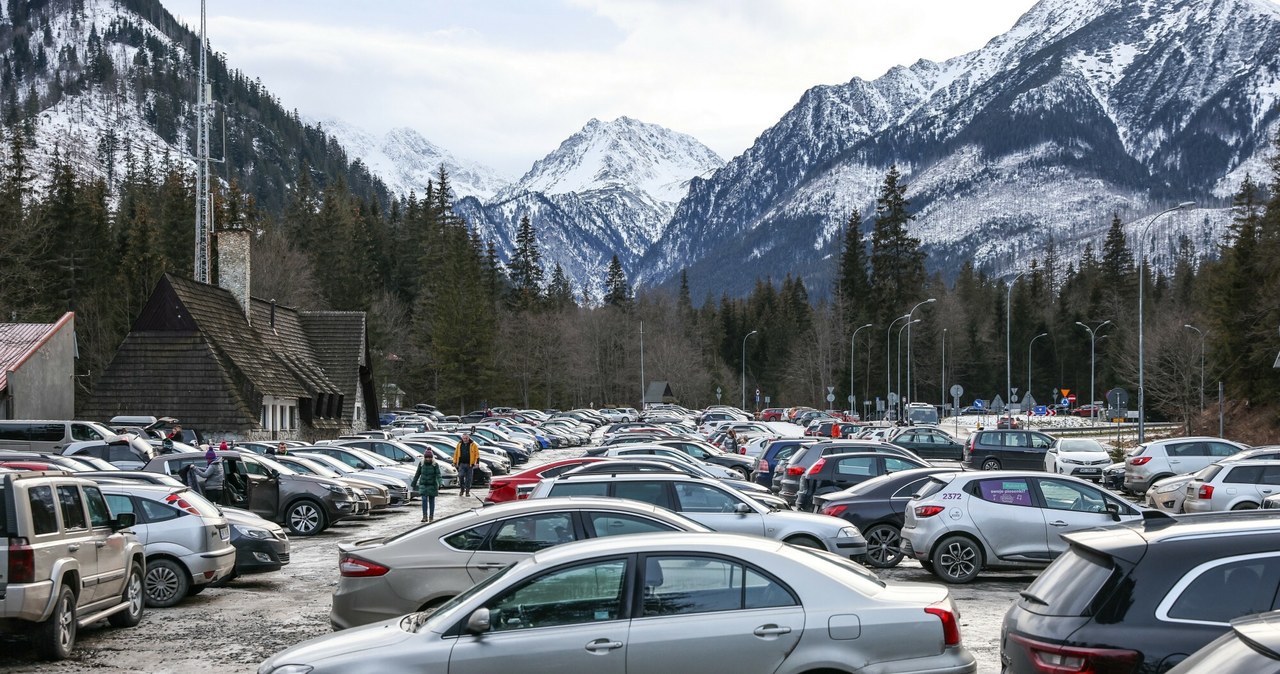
(134, 486)
(666, 542)
(1129, 540)
(579, 477)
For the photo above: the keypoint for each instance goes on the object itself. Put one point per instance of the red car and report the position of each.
(518, 486)
(1089, 411)
(771, 414)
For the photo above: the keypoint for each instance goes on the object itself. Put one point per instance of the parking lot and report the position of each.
(234, 628)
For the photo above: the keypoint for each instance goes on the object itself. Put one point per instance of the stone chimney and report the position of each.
(233, 264)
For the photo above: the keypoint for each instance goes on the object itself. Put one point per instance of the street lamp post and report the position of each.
(905, 326)
(1033, 341)
(944, 368)
(910, 390)
(1142, 281)
(1202, 333)
(1092, 362)
(744, 369)
(852, 363)
(1008, 339)
(888, 371)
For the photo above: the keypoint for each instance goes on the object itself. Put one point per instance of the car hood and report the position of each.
(316, 479)
(340, 646)
(1175, 482)
(825, 524)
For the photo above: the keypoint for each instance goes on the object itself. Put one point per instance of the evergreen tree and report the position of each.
(617, 293)
(897, 263)
(559, 290)
(525, 269)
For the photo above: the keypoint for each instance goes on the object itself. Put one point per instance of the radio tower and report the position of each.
(204, 222)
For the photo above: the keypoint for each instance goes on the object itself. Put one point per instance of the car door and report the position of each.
(110, 544)
(512, 539)
(1004, 511)
(79, 538)
(1186, 457)
(696, 607)
(262, 486)
(568, 619)
(1070, 506)
(715, 508)
(1038, 445)
(846, 472)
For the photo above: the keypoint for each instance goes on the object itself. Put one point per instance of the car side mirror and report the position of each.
(1114, 511)
(478, 621)
(742, 509)
(123, 521)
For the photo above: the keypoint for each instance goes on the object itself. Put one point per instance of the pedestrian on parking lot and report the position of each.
(427, 479)
(731, 442)
(279, 449)
(465, 456)
(835, 431)
(212, 475)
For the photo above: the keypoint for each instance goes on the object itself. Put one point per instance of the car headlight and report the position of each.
(252, 532)
(336, 489)
(1176, 486)
(1072, 462)
(369, 491)
(287, 669)
(848, 532)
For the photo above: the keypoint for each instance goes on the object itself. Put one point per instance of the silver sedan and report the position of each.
(423, 568)
(661, 603)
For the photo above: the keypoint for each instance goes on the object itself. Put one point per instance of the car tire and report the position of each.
(926, 565)
(743, 473)
(991, 464)
(55, 637)
(1245, 506)
(884, 546)
(166, 583)
(957, 560)
(306, 517)
(136, 596)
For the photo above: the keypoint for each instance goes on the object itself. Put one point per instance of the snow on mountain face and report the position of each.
(406, 161)
(1083, 109)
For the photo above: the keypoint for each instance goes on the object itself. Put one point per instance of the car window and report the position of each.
(1230, 590)
(99, 514)
(618, 524)
(647, 492)
(553, 472)
(83, 432)
(893, 464)
(349, 459)
(701, 498)
(860, 466)
(909, 489)
(120, 503)
(573, 596)
(253, 467)
(1069, 585)
(785, 453)
(1011, 491)
(1244, 475)
(1015, 439)
(683, 585)
(72, 507)
(1271, 475)
(1180, 449)
(44, 516)
(117, 453)
(530, 533)
(158, 512)
(1064, 495)
(468, 539)
(580, 489)
(1221, 449)
(1040, 441)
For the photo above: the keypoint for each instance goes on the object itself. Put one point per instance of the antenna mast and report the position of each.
(204, 221)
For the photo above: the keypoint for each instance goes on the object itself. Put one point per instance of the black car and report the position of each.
(259, 549)
(1145, 595)
(876, 508)
(929, 443)
(1252, 646)
(837, 472)
(1007, 449)
(787, 480)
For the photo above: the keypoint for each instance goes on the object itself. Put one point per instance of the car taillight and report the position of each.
(817, 466)
(1206, 491)
(795, 470)
(1056, 659)
(22, 561)
(181, 503)
(835, 510)
(928, 511)
(354, 567)
(950, 625)
(1139, 460)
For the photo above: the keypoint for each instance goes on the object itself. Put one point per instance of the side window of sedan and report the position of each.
(1041, 441)
(617, 524)
(686, 585)
(1064, 495)
(578, 595)
(894, 464)
(859, 466)
(701, 498)
(531, 533)
(468, 539)
(1009, 491)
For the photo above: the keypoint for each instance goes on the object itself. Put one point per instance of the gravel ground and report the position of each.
(234, 628)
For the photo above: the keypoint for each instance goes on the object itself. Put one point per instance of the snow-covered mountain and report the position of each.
(406, 161)
(1083, 109)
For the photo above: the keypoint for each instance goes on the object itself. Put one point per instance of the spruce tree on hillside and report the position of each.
(852, 286)
(1233, 302)
(616, 291)
(525, 269)
(559, 290)
(897, 263)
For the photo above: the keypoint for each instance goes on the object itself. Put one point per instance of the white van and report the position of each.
(922, 414)
(37, 435)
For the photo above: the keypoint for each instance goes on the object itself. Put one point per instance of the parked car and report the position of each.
(1079, 457)
(770, 414)
(834, 472)
(48, 435)
(660, 603)
(1159, 459)
(1169, 493)
(787, 480)
(186, 538)
(307, 504)
(261, 545)
(929, 443)
(775, 454)
(1089, 411)
(715, 505)
(67, 561)
(642, 451)
(378, 495)
(1007, 449)
(663, 464)
(397, 487)
(875, 507)
(518, 486)
(126, 452)
(135, 476)
(421, 569)
(1145, 595)
(364, 461)
(961, 523)
(1237, 485)
(1252, 645)
(708, 454)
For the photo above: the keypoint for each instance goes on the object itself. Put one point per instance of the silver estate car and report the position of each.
(960, 523)
(1235, 485)
(658, 604)
(418, 570)
(1170, 493)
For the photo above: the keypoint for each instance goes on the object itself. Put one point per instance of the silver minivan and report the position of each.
(45, 435)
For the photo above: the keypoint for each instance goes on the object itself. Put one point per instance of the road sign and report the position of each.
(718, 391)
(1118, 398)
(1071, 398)
(1065, 392)
(879, 405)
(893, 398)
(831, 389)
(757, 393)
(1040, 411)
(1277, 365)
(831, 397)
(957, 391)
(850, 398)
(766, 400)
(979, 404)
(1066, 402)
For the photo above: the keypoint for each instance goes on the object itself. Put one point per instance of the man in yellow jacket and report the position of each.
(466, 454)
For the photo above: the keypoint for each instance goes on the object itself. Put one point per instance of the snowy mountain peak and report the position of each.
(625, 153)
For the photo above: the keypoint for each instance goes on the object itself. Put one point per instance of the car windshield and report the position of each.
(332, 463)
(315, 467)
(1080, 445)
(416, 622)
(275, 465)
(371, 457)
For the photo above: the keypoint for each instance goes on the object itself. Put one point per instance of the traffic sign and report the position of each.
(831, 397)
(979, 404)
(1071, 398)
(957, 391)
(831, 389)
(718, 391)
(1066, 401)
(1065, 392)
(893, 398)
(1040, 411)
(766, 400)
(850, 398)
(757, 393)
(1118, 398)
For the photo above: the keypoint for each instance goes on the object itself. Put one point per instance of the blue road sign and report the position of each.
(1041, 410)
(980, 404)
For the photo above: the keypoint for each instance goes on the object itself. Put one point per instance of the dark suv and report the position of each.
(1143, 596)
(836, 472)
(1007, 449)
(776, 454)
(786, 480)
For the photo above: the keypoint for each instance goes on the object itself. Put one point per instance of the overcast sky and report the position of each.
(503, 82)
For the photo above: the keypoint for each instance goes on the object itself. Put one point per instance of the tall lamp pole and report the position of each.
(1008, 337)
(944, 369)
(744, 369)
(1202, 333)
(1033, 341)
(1093, 342)
(1142, 281)
(911, 390)
(852, 364)
(905, 326)
(641, 364)
(888, 370)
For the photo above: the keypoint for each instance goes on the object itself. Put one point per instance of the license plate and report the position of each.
(224, 533)
(1089, 471)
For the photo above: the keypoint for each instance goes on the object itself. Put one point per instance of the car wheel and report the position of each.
(806, 542)
(1245, 506)
(56, 636)
(166, 583)
(306, 518)
(743, 473)
(991, 464)
(135, 596)
(957, 559)
(926, 565)
(884, 546)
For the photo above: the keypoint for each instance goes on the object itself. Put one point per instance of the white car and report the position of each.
(1169, 494)
(1159, 459)
(1081, 457)
(1236, 485)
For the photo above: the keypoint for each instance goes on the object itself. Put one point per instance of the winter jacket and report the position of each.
(471, 458)
(212, 474)
(427, 478)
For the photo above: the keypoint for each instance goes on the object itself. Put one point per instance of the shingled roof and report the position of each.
(337, 340)
(18, 341)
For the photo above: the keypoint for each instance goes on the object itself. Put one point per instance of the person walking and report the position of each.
(731, 442)
(212, 476)
(427, 479)
(465, 456)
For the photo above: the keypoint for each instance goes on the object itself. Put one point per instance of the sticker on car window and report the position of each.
(1013, 492)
